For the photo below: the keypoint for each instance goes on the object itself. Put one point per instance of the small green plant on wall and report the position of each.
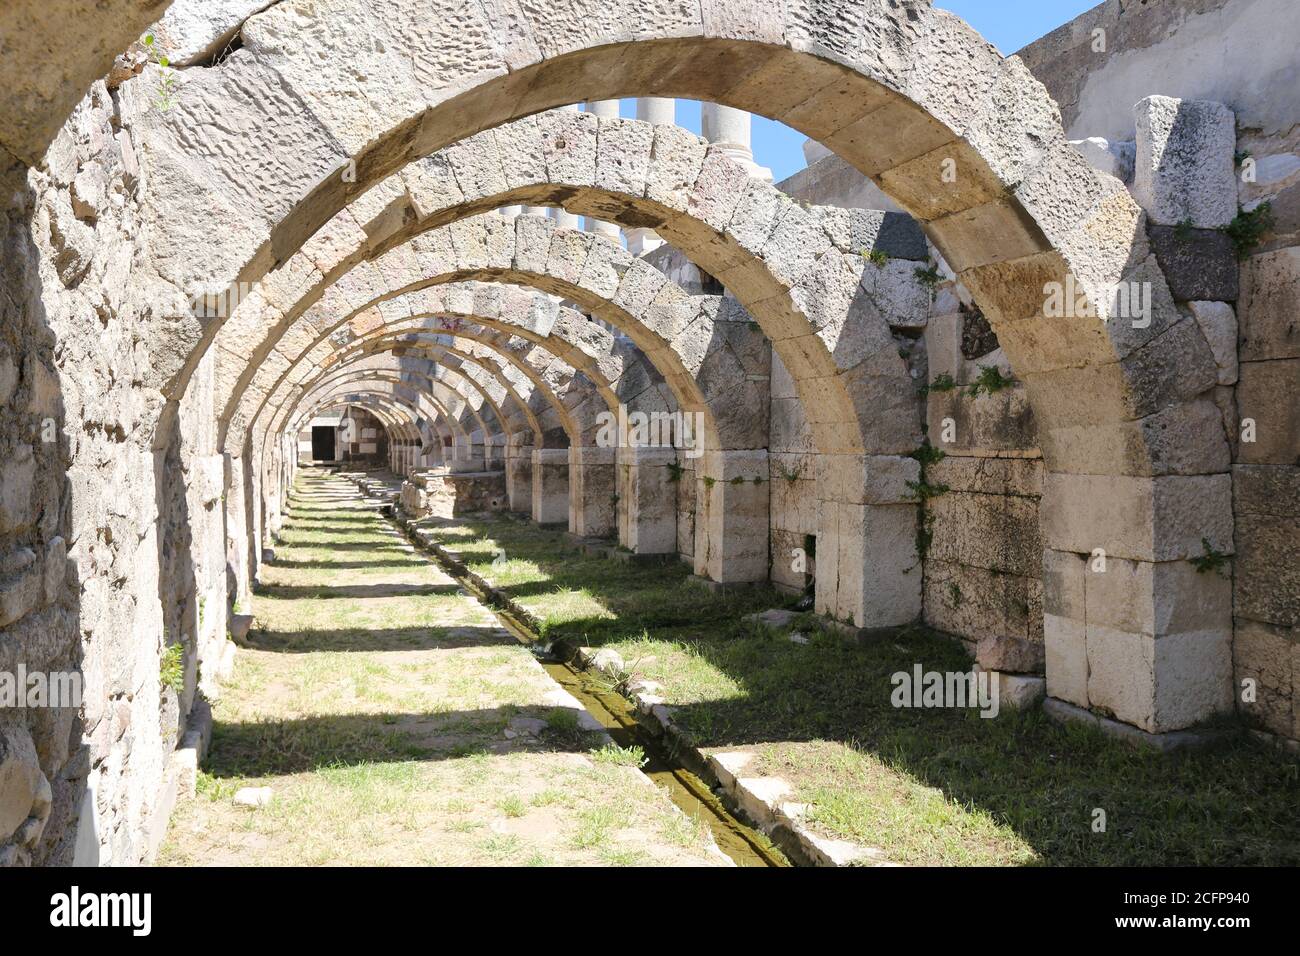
(989, 380)
(1248, 229)
(171, 669)
(1211, 562)
(166, 75)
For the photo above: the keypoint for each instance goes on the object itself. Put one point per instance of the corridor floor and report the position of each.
(396, 723)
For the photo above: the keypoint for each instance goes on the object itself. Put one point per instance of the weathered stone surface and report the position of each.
(1267, 568)
(194, 30)
(1184, 165)
(1264, 654)
(20, 779)
(1218, 324)
(1198, 264)
(1269, 308)
(1148, 519)
(1260, 398)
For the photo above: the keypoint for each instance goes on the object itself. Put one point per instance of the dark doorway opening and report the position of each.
(322, 443)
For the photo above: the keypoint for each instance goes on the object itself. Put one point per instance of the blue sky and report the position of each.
(1007, 24)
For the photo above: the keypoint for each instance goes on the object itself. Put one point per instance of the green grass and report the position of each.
(926, 786)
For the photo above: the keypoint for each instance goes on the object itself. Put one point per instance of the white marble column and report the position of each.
(604, 109)
(729, 128)
(660, 111)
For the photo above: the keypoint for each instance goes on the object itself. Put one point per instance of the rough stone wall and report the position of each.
(981, 561)
(1253, 74)
(112, 538)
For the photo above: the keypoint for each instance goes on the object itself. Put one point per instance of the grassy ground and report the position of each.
(928, 786)
(396, 723)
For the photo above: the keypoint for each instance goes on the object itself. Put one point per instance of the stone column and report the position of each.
(660, 111)
(1130, 629)
(868, 572)
(731, 517)
(519, 477)
(592, 500)
(551, 486)
(729, 129)
(647, 510)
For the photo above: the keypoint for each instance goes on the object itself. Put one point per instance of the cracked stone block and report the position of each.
(1218, 324)
(1183, 170)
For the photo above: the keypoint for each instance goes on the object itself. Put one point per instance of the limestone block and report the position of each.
(1174, 367)
(988, 424)
(1142, 597)
(17, 474)
(1022, 477)
(867, 563)
(1266, 579)
(1149, 519)
(1266, 490)
(56, 567)
(21, 593)
(1262, 396)
(1121, 675)
(1183, 169)
(871, 479)
(1066, 654)
(995, 532)
(1263, 653)
(1193, 671)
(1064, 583)
(1269, 308)
(1218, 324)
(195, 30)
(20, 779)
(1200, 264)
(979, 604)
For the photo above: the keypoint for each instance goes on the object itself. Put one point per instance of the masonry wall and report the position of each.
(1240, 53)
(112, 544)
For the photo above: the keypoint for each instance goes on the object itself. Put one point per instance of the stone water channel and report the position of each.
(740, 841)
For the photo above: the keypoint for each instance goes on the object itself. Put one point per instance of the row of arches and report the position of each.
(338, 186)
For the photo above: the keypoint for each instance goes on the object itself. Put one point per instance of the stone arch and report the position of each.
(556, 330)
(894, 89)
(677, 332)
(441, 399)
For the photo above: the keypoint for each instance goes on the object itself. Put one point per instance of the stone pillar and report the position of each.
(519, 478)
(647, 510)
(729, 128)
(868, 572)
(551, 486)
(660, 111)
(464, 456)
(592, 491)
(731, 517)
(1130, 628)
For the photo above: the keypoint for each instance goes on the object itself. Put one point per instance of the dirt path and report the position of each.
(396, 723)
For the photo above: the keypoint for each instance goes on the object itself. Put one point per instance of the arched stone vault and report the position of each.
(678, 332)
(618, 371)
(409, 342)
(895, 89)
(420, 403)
(445, 401)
